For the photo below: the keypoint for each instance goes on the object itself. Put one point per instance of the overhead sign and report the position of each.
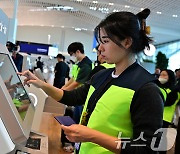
(3, 27)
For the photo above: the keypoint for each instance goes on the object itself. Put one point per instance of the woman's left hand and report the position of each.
(78, 133)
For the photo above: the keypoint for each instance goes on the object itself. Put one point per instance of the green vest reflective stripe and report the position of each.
(164, 92)
(92, 66)
(110, 116)
(168, 110)
(106, 65)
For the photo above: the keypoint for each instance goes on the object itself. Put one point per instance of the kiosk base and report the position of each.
(36, 144)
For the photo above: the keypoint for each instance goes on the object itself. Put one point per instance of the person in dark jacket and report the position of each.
(61, 71)
(17, 58)
(123, 105)
(39, 64)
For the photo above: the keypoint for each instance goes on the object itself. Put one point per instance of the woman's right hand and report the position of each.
(31, 79)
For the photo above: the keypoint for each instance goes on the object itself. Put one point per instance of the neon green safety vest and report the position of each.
(76, 70)
(169, 110)
(110, 116)
(18, 103)
(106, 65)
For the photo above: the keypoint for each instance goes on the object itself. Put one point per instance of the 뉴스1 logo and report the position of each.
(3, 28)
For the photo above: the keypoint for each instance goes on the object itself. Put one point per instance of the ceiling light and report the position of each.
(62, 26)
(78, 29)
(49, 8)
(92, 8)
(104, 10)
(68, 8)
(159, 12)
(111, 3)
(52, 25)
(127, 6)
(115, 10)
(84, 29)
(60, 7)
(142, 9)
(95, 2)
(79, 0)
(175, 15)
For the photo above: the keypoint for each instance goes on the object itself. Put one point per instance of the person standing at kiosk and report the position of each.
(122, 100)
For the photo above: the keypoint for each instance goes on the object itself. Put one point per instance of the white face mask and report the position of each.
(73, 58)
(162, 80)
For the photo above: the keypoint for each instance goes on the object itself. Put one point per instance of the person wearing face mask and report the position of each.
(82, 68)
(167, 83)
(80, 74)
(121, 103)
(100, 64)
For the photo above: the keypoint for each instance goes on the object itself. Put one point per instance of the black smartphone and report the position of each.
(65, 120)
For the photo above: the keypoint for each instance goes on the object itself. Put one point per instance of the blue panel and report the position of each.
(34, 48)
(3, 27)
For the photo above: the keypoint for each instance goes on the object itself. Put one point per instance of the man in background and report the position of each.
(39, 64)
(17, 58)
(84, 66)
(79, 77)
(61, 71)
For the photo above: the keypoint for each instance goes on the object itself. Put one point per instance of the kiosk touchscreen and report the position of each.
(16, 109)
(18, 114)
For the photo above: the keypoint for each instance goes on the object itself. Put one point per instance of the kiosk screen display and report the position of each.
(14, 85)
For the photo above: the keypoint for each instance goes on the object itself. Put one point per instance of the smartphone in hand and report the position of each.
(65, 120)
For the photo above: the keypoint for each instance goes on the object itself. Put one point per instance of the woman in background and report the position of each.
(167, 83)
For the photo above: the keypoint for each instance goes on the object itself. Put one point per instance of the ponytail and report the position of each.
(144, 40)
(120, 25)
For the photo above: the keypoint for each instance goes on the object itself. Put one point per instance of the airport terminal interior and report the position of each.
(60, 42)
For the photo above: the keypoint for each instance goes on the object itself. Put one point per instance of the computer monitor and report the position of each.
(53, 51)
(16, 109)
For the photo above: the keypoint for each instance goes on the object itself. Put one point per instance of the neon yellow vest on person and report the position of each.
(18, 103)
(169, 110)
(106, 65)
(76, 70)
(110, 116)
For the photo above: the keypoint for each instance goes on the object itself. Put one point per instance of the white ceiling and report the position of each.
(164, 27)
